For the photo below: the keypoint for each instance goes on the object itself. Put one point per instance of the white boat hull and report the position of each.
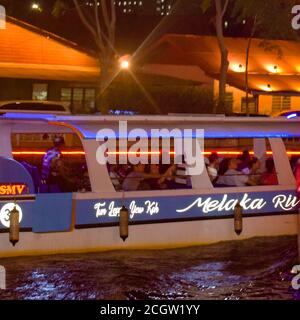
(149, 236)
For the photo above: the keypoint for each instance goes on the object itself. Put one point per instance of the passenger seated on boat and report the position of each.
(255, 173)
(243, 162)
(114, 176)
(154, 183)
(136, 180)
(168, 179)
(212, 167)
(176, 177)
(64, 178)
(229, 176)
(83, 184)
(182, 180)
(123, 171)
(269, 178)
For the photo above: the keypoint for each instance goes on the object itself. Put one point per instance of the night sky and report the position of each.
(132, 29)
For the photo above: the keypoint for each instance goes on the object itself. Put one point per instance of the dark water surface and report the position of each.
(252, 269)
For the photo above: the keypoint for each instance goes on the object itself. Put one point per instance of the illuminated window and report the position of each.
(81, 99)
(281, 103)
(66, 94)
(229, 100)
(78, 94)
(90, 98)
(252, 105)
(40, 91)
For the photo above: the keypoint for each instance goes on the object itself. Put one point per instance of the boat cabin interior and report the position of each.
(235, 152)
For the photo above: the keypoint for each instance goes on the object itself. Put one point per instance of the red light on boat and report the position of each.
(41, 153)
(82, 153)
(134, 153)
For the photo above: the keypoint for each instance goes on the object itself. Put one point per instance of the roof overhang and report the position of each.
(274, 65)
(49, 72)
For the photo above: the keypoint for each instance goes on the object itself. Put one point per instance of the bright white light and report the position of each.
(266, 88)
(124, 64)
(291, 116)
(238, 67)
(35, 6)
(273, 69)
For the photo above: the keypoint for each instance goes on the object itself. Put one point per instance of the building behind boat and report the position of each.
(38, 65)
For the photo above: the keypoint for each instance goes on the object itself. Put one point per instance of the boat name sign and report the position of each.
(112, 210)
(279, 203)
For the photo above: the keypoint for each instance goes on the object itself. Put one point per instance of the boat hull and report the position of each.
(149, 236)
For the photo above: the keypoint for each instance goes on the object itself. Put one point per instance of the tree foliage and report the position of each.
(267, 19)
(273, 17)
(99, 19)
(220, 8)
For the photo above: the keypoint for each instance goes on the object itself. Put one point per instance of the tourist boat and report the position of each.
(89, 221)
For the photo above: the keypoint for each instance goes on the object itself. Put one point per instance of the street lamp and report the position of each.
(124, 62)
(35, 6)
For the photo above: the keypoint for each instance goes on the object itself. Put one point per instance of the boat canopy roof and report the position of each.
(87, 127)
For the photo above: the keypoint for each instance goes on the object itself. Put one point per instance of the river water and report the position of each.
(251, 269)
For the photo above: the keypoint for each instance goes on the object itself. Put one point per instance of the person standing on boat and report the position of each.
(51, 164)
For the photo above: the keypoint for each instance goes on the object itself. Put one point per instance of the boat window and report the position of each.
(229, 163)
(240, 162)
(56, 162)
(150, 176)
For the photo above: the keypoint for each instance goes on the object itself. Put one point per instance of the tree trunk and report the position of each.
(102, 27)
(247, 65)
(105, 78)
(246, 76)
(222, 107)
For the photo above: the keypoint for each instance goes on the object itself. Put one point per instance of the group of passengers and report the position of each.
(227, 172)
(148, 177)
(243, 170)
